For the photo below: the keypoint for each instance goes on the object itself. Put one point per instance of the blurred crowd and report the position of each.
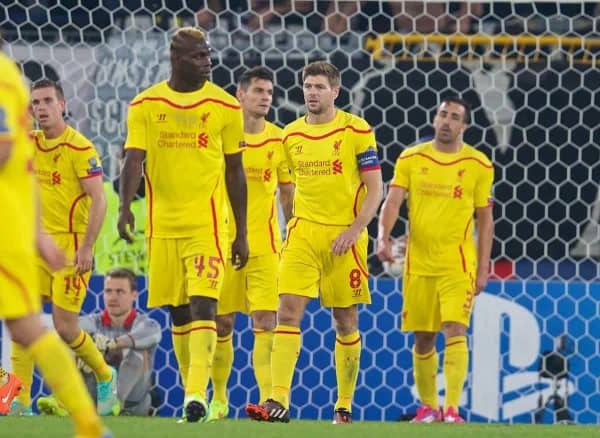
(94, 20)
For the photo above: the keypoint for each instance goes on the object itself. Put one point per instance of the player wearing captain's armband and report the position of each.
(333, 158)
(447, 182)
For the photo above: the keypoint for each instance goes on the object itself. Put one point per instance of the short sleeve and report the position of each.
(284, 175)
(362, 136)
(401, 172)
(233, 132)
(136, 126)
(483, 188)
(86, 162)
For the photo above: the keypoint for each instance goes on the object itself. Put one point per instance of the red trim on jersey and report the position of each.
(355, 205)
(289, 234)
(450, 163)
(94, 175)
(72, 210)
(462, 258)
(150, 199)
(17, 281)
(194, 329)
(185, 107)
(335, 131)
(467, 228)
(407, 255)
(285, 183)
(268, 140)
(356, 259)
(75, 242)
(271, 234)
(348, 343)
(213, 211)
(69, 145)
(370, 168)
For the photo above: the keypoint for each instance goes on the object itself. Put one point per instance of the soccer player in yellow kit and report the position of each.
(20, 240)
(253, 289)
(73, 205)
(190, 134)
(333, 158)
(447, 182)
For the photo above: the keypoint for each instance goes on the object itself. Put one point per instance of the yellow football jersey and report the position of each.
(265, 166)
(326, 161)
(17, 200)
(185, 136)
(59, 165)
(443, 192)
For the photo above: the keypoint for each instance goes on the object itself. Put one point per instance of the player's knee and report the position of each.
(264, 320)
(67, 330)
(225, 324)
(290, 310)
(180, 315)
(203, 308)
(452, 329)
(346, 320)
(424, 342)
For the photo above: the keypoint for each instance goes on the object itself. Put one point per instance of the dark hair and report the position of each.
(255, 73)
(124, 273)
(49, 83)
(323, 68)
(459, 101)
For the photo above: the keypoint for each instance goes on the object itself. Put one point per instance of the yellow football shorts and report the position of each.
(19, 295)
(185, 267)
(309, 268)
(252, 288)
(65, 288)
(428, 301)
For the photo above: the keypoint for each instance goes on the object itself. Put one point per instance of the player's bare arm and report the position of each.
(5, 151)
(387, 219)
(374, 184)
(128, 185)
(94, 188)
(6, 142)
(235, 179)
(286, 199)
(485, 236)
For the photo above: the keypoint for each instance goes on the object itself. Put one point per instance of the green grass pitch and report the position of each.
(126, 427)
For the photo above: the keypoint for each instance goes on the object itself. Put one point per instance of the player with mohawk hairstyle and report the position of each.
(182, 133)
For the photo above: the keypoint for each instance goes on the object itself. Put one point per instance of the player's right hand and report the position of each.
(239, 252)
(126, 218)
(51, 254)
(384, 250)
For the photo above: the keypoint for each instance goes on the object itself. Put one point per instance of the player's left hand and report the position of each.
(481, 280)
(344, 242)
(83, 260)
(239, 252)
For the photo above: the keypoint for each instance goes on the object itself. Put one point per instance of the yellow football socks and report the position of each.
(180, 334)
(221, 367)
(347, 363)
(286, 347)
(202, 344)
(62, 377)
(86, 349)
(22, 366)
(456, 363)
(261, 360)
(425, 367)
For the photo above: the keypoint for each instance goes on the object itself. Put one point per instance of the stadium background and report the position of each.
(530, 71)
